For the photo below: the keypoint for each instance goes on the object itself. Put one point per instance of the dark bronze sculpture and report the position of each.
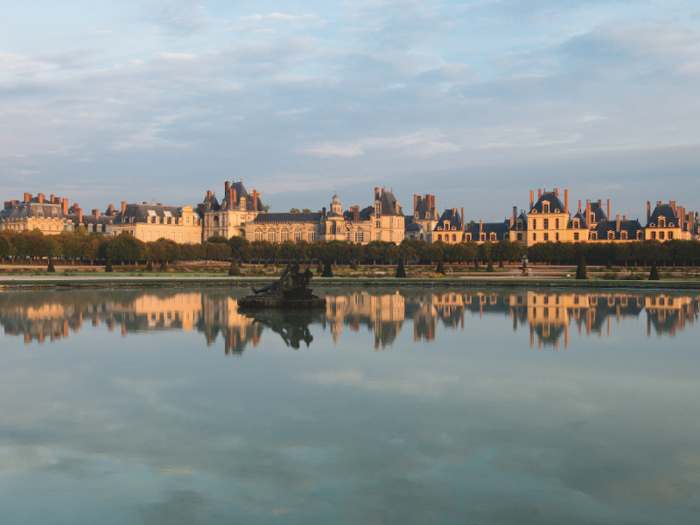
(289, 291)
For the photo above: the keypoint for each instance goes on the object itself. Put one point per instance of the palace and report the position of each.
(242, 214)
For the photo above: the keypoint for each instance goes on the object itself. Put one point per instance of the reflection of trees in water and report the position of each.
(549, 315)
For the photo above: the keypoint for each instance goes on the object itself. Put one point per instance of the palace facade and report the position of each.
(242, 214)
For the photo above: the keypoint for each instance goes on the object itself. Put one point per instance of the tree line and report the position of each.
(81, 246)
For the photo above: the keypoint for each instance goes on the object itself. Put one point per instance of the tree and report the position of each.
(163, 266)
(581, 270)
(125, 247)
(266, 208)
(654, 273)
(50, 268)
(217, 251)
(238, 246)
(327, 270)
(490, 267)
(319, 268)
(149, 266)
(234, 270)
(5, 247)
(108, 267)
(400, 271)
(294, 210)
(306, 210)
(218, 239)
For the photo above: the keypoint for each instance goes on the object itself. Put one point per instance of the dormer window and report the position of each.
(545, 207)
(594, 236)
(662, 222)
(611, 235)
(520, 224)
(493, 236)
(623, 235)
(670, 225)
(483, 237)
(640, 235)
(447, 225)
(577, 223)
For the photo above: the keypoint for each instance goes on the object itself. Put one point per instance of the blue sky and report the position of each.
(475, 102)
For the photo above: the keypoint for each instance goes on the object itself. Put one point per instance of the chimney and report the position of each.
(512, 221)
(556, 192)
(531, 201)
(27, 197)
(40, 198)
(462, 217)
(673, 206)
(158, 204)
(144, 202)
(481, 227)
(617, 223)
(64, 203)
(111, 209)
(208, 195)
(454, 212)
(566, 201)
(579, 205)
(323, 210)
(539, 194)
(231, 197)
(75, 207)
(356, 213)
(659, 203)
(515, 212)
(600, 204)
(124, 206)
(376, 194)
(588, 212)
(648, 211)
(235, 196)
(80, 214)
(51, 197)
(227, 185)
(96, 213)
(415, 203)
(608, 214)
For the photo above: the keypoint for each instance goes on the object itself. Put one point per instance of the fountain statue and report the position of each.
(289, 291)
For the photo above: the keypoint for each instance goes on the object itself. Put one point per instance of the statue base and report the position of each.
(262, 301)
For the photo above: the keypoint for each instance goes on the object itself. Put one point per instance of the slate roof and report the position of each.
(389, 204)
(365, 215)
(414, 227)
(522, 217)
(552, 199)
(241, 192)
(598, 212)
(666, 211)
(448, 216)
(32, 209)
(288, 217)
(583, 225)
(140, 212)
(423, 211)
(631, 227)
(499, 228)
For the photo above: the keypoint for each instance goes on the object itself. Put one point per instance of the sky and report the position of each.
(475, 102)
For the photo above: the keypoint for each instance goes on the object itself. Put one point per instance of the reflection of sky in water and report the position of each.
(373, 422)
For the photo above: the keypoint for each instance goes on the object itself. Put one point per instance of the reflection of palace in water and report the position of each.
(549, 316)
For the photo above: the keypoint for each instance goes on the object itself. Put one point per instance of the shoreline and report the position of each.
(52, 283)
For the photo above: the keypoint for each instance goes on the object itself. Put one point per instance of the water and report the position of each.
(392, 406)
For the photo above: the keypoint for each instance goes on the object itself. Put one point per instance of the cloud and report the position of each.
(180, 17)
(174, 56)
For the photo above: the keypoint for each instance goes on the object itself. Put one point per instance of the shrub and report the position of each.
(353, 264)
(149, 266)
(476, 264)
(440, 268)
(500, 264)
(327, 270)
(234, 270)
(400, 271)
(50, 268)
(654, 273)
(319, 268)
(581, 270)
(163, 267)
(108, 266)
(490, 267)
(609, 266)
(610, 276)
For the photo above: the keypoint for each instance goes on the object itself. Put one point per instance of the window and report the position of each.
(534, 236)
(661, 236)
(623, 236)
(359, 235)
(468, 236)
(311, 236)
(520, 236)
(662, 222)
(187, 220)
(545, 208)
(556, 224)
(520, 224)
(670, 235)
(546, 224)
(577, 224)
(378, 224)
(271, 236)
(640, 235)
(483, 237)
(439, 237)
(594, 236)
(534, 224)
(258, 235)
(454, 237)
(379, 208)
(284, 237)
(611, 235)
(546, 237)
(556, 236)
(298, 235)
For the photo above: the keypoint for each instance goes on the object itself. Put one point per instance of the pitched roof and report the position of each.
(140, 212)
(365, 215)
(666, 211)
(288, 217)
(631, 227)
(499, 228)
(597, 211)
(583, 225)
(552, 199)
(522, 217)
(390, 206)
(450, 216)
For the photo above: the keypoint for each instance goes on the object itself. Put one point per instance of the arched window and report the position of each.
(298, 235)
(258, 234)
(285, 235)
(271, 235)
(359, 235)
(311, 235)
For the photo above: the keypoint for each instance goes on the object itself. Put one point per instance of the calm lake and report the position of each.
(399, 406)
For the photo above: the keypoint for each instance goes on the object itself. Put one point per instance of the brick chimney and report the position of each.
(323, 210)
(356, 213)
(556, 192)
(462, 218)
(511, 222)
(415, 202)
(376, 194)
(617, 223)
(40, 198)
(96, 213)
(608, 214)
(231, 197)
(566, 201)
(531, 201)
(259, 198)
(588, 212)
(624, 217)
(579, 205)
(64, 204)
(539, 194)
(648, 211)
(454, 212)
(481, 227)
(515, 212)
(111, 209)
(673, 206)
(51, 198)
(124, 207)
(235, 196)
(227, 185)
(79, 212)
(208, 195)
(27, 197)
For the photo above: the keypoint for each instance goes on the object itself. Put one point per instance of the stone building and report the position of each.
(421, 224)
(668, 222)
(229, 218)
(150, 222)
